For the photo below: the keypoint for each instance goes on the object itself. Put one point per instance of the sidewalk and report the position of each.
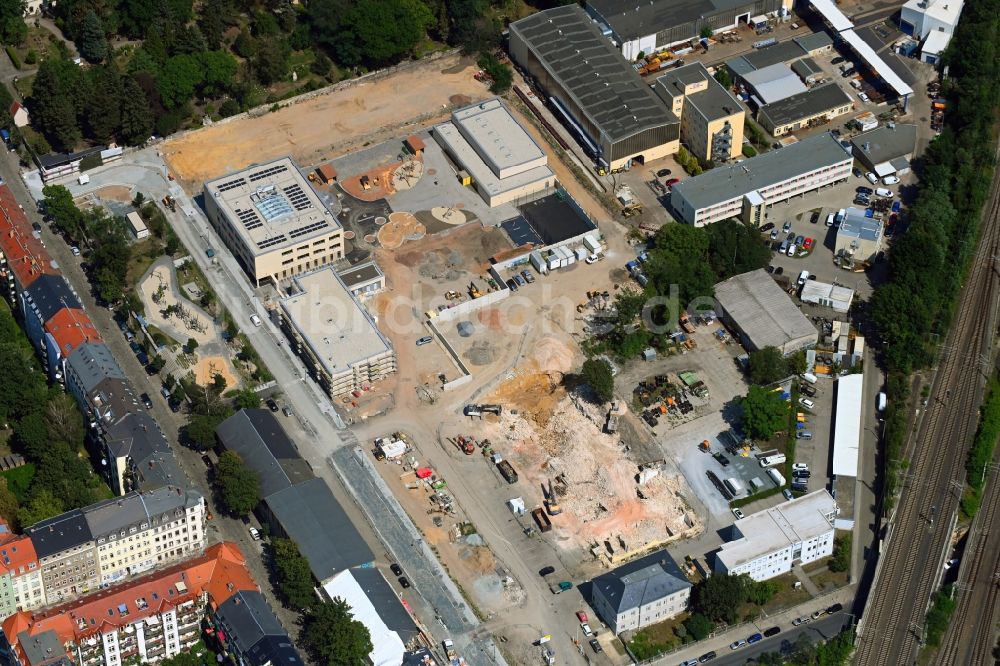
(720, 642)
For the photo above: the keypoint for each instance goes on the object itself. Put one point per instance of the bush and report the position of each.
(229, 108)
(841, 560)
(501, 74)
(596, 373)
(749, 151)
(699, 626)
(12, 54)
(939, 616)
(31, 58)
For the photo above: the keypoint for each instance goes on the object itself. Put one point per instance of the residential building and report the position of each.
(492, 149)
(595, 92)
(815, 106)
(769, 543)
(18, 112)
(19, 565)
(45, 296)
(248, 631)
(145, 620)
(651, 27)
(273, 221)
(645, 591)
(760, 314)
(67, 555)
(745, 190)
(859, 238)
(23, 258)
(334, 334)
(711, 118)
(886, 150)
(65, 331)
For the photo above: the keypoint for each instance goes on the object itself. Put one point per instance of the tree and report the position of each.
(239, 486)
(12, 27)
(380, 32)
(841, 560)
(596, 373)
(92, 42)
(501, 74)
(723, 77)
(66, 217)
(41, 506)
(718, 598)
(295, 579)
(767, 366)
(191, 345)
(182, 74)
(764, 413)
(270, 62)
(797, 363)
(21, 391)
(200, 430)
(9, 508)
(63, 420)
(247, 399)
(334, 637)
(218, 70)
(735, 248)
(102, 119)
(321, 65)
(699, 626)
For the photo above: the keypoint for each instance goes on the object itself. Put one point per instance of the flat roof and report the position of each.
(781, 526)
(806, 104)
(945, 11)
(806, 67)
(360, 273)
(729, 182)
(520, 232)
(816, 40)
(593, 72)
(831, 12)
(885, 143)
(775, 54)
(712, 103)
(775, 82)
(936, 42)
(875, 61)
(471, 160)
(272, 206)
(135, 221)
(499, 140)
(339, 331)
(556, 218)
(857, 225)
(762, 310)
(847, 425)
(387, 646)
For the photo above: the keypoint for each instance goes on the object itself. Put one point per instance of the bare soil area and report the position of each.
(321, 127)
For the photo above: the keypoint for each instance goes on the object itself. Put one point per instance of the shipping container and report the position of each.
(592, 243)
(581, 253)
(537, 262)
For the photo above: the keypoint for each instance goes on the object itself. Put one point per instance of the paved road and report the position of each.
(822, 629)
(314, 426)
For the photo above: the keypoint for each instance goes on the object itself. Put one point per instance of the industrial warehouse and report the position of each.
(762, 315)
(614, 114)
(273, 221)
(744, 190)
(655, 25)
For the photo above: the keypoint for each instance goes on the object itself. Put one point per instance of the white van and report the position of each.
(809, 377)
(829, 219)
(771, 461)
(791, 250)
(803, 276)
(734, 487)
(883, 192)
(776, 476)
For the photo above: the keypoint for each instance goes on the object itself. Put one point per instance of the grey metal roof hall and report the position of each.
(264, 446)
(312, 517)
(591, 71)
(776, 54)
(763, 313)
(885, 143)
(641, 581)
(632, 20)
(805, 105)
(729, 182)
(816, 40)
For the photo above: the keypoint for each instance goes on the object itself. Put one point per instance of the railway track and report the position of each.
(970, 637)
(893, 625)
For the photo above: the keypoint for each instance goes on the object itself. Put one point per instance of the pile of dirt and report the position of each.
(481, 353)
(532, 394)
(440, 265)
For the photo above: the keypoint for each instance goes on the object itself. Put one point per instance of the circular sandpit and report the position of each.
(401, 227)
(379, 221)
(348, 235)
(370, 238)
(450, 215)
(407, 175)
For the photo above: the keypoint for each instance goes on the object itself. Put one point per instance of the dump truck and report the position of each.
(507, 471)
(686, 324)
(170, 203)
(542, 520)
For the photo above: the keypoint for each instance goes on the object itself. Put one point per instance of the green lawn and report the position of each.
(18, 479)
(657, 638)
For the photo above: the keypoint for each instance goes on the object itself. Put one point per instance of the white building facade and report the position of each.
(772, 541)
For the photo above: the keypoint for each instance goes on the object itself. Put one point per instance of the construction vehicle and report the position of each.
(474, 290)
(451, 295)
(551, 502)
(705, 445)
(467, 444)
(491, 409)
(507, 471)
(686, 324)
(170, 203)
(631, 209)
(543, 522)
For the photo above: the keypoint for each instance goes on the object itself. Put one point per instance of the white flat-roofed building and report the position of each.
(847, 425)
(745, 189)
(273, 222)
(502, 160)
(771, 541)
(335, 336)
(137, 226)
(831, 295)
(920, 18)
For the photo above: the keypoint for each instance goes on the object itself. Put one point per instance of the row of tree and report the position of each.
(685, 263)
(48, 430)
(913, 309)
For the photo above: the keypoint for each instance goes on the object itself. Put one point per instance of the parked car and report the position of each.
(581, 616)
(773, 631)
(807, 403)
(837, 60)
(585, 628)
(708, 656)
(736, 645)
(829, 219)
(799, 240)
(807, 245)
(890, 180)
(519, 280)
(787, 494)
(818, 613)
(528, 277)
(511, 285)
(426, 340)
(271, 404)
(75, 250)
(803, 434)
(779, 270)
(883, 192)
(836, 608)
(396, 569)
(767, 227)
(865, 190)
(738, 513)
(774, 234)
(663, 173)
(689, 662)
(146, 401)
(595, 646)
(801, 620)
(175, 405)
(799, 466)
(754, 638)
(403, 582)
(863, 97)
(808, 390)
(814, 218)
(546, 571)
(672, 182)
(792, 249)
(786, 227)
(255, 320)
(208, 461)
(861, 200)
(849, 72)
(254, 533)
(286, 410)
(800, 474)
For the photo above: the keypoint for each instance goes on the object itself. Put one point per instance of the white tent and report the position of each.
(393, 449)
(388, 647)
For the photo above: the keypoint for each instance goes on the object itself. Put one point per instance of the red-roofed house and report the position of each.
(66, 330)
(22, 256)
(154, 617)
(20, 575)
(19, 113)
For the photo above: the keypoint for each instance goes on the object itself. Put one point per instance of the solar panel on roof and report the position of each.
(225, 187)
(274, 240)
(297, 197)
(266, 173)
(309, 228)
(249, 218)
